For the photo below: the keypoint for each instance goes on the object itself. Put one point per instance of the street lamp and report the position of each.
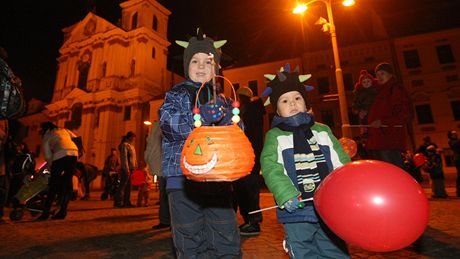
(330, 26)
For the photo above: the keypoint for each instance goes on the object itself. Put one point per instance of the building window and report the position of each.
(327, 118)
(155, 23)
(153, 52)
(348, 82)
(424, 114)
(451, 78)
(134, 21)
(445, 54)
(417, 82)
(132, 68)
(411, 58)
(455, 105)
(75, 117)
(83, 75)
(323, 85)
(253, 86)
(127, 113)
(104, 69)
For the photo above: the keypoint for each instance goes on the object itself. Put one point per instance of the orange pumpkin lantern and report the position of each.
(217, 154)
(349, 146)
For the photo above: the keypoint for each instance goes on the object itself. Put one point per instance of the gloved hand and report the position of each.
(212, 111)
(217, 112)
(292, 204)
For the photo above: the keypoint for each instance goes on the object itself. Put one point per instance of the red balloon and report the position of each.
(419, 159)
(373, 204)
(137, 177)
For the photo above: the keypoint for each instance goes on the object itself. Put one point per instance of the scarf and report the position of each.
(310, 162)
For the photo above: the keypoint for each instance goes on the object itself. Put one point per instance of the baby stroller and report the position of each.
(31, 194)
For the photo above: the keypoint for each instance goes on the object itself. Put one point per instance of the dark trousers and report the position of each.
(457, 165)
(60, 183)
(203, 224)
(392, 156)
(247, 191)
(4, 184)
(163, 211)
(124, 189)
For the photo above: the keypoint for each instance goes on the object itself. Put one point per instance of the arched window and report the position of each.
(153, 52)
(134, 21)
(83, 75)
(133, 68)
(155, 23)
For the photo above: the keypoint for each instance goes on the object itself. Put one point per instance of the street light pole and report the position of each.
(346, 131)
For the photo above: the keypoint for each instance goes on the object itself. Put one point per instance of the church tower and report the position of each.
(107, 75)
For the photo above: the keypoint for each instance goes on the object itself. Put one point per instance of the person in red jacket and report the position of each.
(388, 117)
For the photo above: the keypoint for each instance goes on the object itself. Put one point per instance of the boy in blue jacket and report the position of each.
(298, 154)
(203, 222)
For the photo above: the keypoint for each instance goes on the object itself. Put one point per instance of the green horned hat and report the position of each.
(285, 81)
(200, 44)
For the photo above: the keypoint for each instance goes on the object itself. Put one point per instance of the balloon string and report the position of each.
(276, 206)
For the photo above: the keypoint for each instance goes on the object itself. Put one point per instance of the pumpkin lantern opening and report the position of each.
(221, 153)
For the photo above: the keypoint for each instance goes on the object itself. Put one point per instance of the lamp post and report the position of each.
(330, 26)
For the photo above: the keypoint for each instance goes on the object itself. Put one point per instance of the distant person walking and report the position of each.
(454, 144)
(61, 153)
(153, 156)
(128, 162)
(388, 116)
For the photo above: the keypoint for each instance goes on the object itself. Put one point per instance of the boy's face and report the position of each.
(290, 104)
(383, 76)
(367, 82)
(199, 69)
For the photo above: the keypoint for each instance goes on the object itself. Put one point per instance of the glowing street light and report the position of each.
(148, 123)
(330, 27)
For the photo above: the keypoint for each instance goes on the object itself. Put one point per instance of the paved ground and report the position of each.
(93, 229)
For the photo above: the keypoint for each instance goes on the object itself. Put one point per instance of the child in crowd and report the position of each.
(364, 94)
(433, 166)
(203, 222)
(298, 154)
(145, 187)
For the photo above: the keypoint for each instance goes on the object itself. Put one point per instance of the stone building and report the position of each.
(109, 75)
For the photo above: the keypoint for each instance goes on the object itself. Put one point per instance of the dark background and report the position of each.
(256, 30)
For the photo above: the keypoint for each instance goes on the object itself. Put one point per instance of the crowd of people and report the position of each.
(296, 155)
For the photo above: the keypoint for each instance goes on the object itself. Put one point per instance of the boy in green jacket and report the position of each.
(298, 154)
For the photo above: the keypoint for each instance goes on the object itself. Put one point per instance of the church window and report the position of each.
(134, 21)
(83, 75)
(155, 23)
(75, 119)
(127, 113)
(153, 52)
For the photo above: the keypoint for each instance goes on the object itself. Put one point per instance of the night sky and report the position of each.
(256, 30)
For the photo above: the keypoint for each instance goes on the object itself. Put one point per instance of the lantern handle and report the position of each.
(215, 76)
(235, 103)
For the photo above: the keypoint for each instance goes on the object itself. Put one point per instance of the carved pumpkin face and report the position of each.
(221, 153)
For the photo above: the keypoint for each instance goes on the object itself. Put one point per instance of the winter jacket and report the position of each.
(278, 169)
(128, 159)
(58, 143)
(153, 154)
(392, 106)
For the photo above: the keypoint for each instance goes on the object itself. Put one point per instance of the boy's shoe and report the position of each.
(249, 229)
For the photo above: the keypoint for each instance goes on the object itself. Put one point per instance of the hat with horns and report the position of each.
(285, 81)
(200, 44)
